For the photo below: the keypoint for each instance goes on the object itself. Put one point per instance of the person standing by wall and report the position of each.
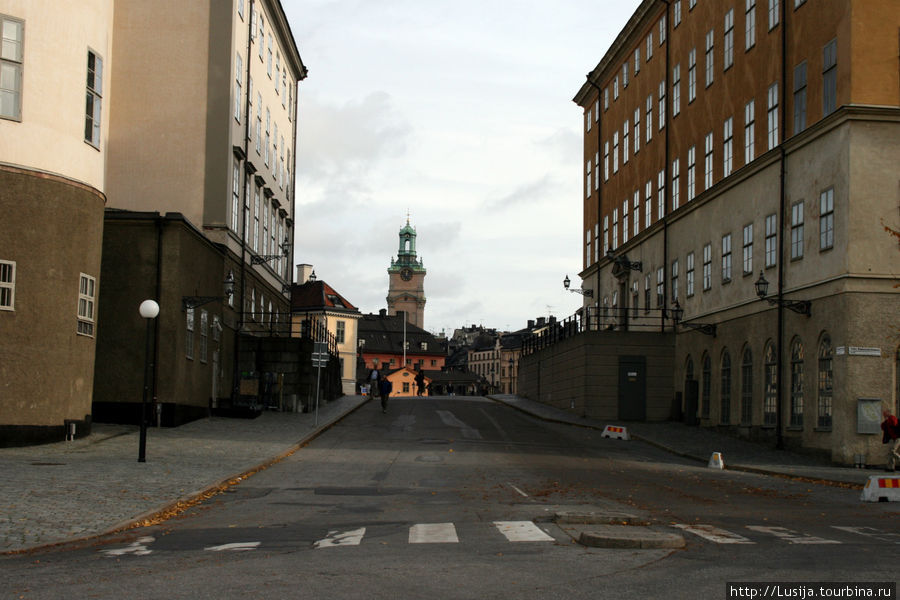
(891, 437)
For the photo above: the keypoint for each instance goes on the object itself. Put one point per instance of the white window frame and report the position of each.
(749, 132)
(660, 193)
(661, 103)
(726, 258)
(771, 240)
(8, 285)
(748, 249)
(708, 162)
(625, 221)
(238, 85)
(625, 154)
(676, 90)
(692, 75)
(637, 130)
(93, 112)
(727, 146)
(774, 16)
(710, 60)
(728, 57)
(797, 230)
(772, 114)
(649, 123)
(676, 182)
(689, 275)
(707, 267)
(12, 62)
(676, 17)
(826, 219)
(87, 295)
(189, 333)
(691, 172)
(750, 24)
(648, 204)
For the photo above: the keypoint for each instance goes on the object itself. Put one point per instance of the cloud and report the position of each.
(529, 193)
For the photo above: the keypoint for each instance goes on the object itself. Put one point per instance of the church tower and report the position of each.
(406, 291)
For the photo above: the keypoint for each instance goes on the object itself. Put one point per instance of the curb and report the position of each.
(624, 536)
(184, 502)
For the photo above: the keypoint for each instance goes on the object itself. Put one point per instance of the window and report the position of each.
(660, 193)
(726, 258)
(675, 280)
(605, 234)
(661, 103)
(676, 90)
(625, 75)
(706, 380)
(749, 133)
(587, 247)
(796, 383)
(625, 152)
(649, 51)
(692, 4)
(649, 109)
(269, 57)
(728, 59)
(7, 285)
(662, 30)
(597, 109)
(615, 229)
(710, 63)
(750, 25)
(799, 97)
(637, 130)
(596, 242)
(829, 78)
(825, 383)
(748, 249)
(771, 240)
(246, 224)
(606, 98)
(258, 123)
(230, 298)
(676, 18)
(189, 333)
(587, 179)
(596, 169)
(606, 161)
(615, 152)
(660, 287)
(771, 382)
(689, 276)
(646, 293)
(635, 213)
(615, 88)
(707, 267)
(86, 295)
(648, 196)
(341, 332)
(690, 172)
(625, 221)
(93, 100)
(634, 298)
(676, 184)
(725, 390)
(262, 36)
(12, 40)
(587, 120)
(708, 162)
(238, 86)
(240, 9)
(826, 219)
(772, 111)
(204, 335)
(797, 230)
(727, 146)
(637, 61)
(747, 387)
(773, 14)
(265, 229)
(268, 135)
(692, 75)
(216, 329)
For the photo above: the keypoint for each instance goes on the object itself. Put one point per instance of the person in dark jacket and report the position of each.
(385, 388)
(891, 437)
(420, 382)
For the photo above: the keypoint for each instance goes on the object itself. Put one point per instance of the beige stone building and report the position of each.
(731, 142)
(54, 134)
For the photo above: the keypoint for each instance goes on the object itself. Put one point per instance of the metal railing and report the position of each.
(260, 324)
(593, 318)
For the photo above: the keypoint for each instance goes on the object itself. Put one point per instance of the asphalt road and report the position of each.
(454, 498)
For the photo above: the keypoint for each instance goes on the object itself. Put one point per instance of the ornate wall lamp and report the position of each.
(798, 306)
(567, 282)
(704, 328)
(195, 301)
(259, 259)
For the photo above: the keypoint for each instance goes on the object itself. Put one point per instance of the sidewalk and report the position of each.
(67, 491)
(699, 443)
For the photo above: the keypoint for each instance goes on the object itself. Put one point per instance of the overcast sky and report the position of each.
(461, 113)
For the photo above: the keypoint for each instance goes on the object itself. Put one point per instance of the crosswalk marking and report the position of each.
(138, 548)
(522, 531)
(714, 534)
(339, 538)
(891, 538)
(433, 533)
(234, 547)
(790, 536)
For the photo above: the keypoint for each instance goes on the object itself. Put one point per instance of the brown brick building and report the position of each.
(736, 140)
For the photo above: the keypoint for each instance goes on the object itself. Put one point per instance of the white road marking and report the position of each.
(450, 419)
(339, 538)
(517, 489)
(714, 534)
(433, 533)
(884, 536)
(235, 547)
(138, 548)
(522, 531)
(790, 536)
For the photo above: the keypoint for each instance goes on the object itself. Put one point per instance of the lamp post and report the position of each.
(149, 310)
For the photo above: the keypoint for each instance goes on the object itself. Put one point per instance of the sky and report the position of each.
(459, 114)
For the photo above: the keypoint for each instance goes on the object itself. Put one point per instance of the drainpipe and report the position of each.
(665, 215)
(779, 396)
(599, 193)
(155, 366)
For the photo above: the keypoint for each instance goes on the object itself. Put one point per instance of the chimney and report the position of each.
(382, 312)
(303, 273)
(541, 321)
(530, 323)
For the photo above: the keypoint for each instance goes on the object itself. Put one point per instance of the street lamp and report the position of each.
(704, 328)
(798, 306)
(195, 301)
(149, 310)
(567, 282)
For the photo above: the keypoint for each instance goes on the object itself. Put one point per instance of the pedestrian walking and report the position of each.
(385, 390)
(374, 382)
(891, 437)
(420, 382)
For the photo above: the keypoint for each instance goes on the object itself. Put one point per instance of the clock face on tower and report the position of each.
(406, 274)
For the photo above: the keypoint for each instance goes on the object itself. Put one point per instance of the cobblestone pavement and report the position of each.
(67, 491)
(70, 490)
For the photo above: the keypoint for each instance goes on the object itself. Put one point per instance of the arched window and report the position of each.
(796, 383)
(826, 382)
(771, 382)
(725, 391)
(747, 387)
(705, 386)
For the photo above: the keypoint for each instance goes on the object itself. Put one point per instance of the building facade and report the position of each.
(54, 146)
(406, 278)
(387, 342)
(733, 143)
